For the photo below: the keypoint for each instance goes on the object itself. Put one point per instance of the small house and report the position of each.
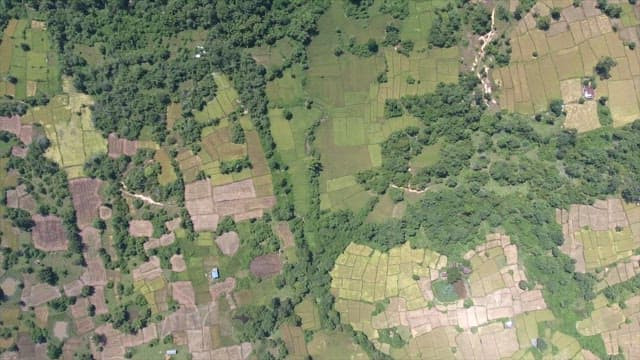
(588, 92)
(171, 352)
(215, 274)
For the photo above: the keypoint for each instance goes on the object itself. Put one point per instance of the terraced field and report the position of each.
(565, 54)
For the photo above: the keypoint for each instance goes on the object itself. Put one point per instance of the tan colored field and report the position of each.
(49, 234)
(228, 243)
(597, 235)
(207, 204)
(567, 52)
(86, 199)
(493, 287)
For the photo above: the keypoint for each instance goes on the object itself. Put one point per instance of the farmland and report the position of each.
(377, 291)
(565, 55)
(28, 56)
(350, 102)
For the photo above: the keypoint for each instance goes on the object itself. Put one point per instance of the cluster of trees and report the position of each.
(453, 18)
(235, 166)
(48, 185)
(398, 9)
(139, 76)
(500, 50)
(358, 9)
(611, 10)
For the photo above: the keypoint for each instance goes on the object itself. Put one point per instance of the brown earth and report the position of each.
(207, 204)
(119, 146)
(228, 243)
(140, 228)
(18, 198)
(48, 233)
(283, 231)
(183, 293)
(86, 200)
(12, 125)
(266, 265)
(178, 264)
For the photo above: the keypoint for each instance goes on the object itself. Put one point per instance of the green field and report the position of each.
(26, 53)
(68, 125)
(345, 91)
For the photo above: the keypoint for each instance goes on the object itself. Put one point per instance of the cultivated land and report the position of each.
(547, 65)
(351, 101)
(403, 284)
(219, 262)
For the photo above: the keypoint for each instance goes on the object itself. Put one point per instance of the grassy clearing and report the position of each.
(67, 124)
(333, 345)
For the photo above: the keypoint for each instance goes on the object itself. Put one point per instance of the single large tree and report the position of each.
(604, 66)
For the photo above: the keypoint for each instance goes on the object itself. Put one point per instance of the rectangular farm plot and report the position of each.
(624, 108)
(568, 63)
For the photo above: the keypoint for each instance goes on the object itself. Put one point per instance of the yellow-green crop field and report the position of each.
(568, 52)
(26, 53)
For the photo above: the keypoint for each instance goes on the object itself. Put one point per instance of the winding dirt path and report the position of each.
(485, 40)
(144, 198)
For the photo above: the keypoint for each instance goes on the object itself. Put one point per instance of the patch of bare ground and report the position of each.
(222, 288)
(283, 231)
(164, 240)
(140, 228)
(61, 330)
(229, 243)
(38, 294)
(18, 198)
(183, 293)
(19, 151)
(9, 286)
(48, 233)
(12, 124)
(86, 200)
(148, 270)
(266, 265)
(207, 204)
(178, 264)
(119, 146)
(105, 212)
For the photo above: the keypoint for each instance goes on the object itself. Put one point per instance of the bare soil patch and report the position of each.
(35, 295)
(84, 325)
(174, 224)
(140, 228)
(119, 146)
(222, 288)
(228, 243)
(164, 240)
(283, 231)
(183, 293)
(19, 151)
(148, 271)
(73, 288)
(105, 212)
(266, 265)
(9, 286)
(48, 233)
(86, 200)
(12, 124)
(39, 25)
(95, 275)
(178, 264)
(60, 330)
(206, 204)
(18, 198)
